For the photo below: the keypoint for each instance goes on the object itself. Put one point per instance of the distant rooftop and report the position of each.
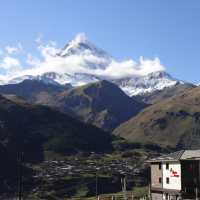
(178, 155)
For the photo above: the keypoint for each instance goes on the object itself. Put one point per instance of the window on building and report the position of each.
(167, 166)
(160, 166)
(167, 180)
(160, 180)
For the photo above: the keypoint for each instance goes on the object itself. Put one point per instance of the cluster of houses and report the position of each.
(58, 169)
(176, 176)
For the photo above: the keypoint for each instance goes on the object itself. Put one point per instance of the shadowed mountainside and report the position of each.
(102, 104)
(33, 129)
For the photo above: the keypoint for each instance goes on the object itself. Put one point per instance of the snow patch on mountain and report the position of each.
(146, 84)
(131, 85)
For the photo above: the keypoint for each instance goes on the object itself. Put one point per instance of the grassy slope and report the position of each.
(174, 122)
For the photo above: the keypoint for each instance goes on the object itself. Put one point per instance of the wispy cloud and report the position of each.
(13, 49)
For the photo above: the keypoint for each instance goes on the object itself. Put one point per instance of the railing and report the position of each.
(191, 192)
(111, 197)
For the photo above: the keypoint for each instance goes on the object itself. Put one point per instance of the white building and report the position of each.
(176, 176)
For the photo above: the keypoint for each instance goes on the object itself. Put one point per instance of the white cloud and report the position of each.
(48, 50)
(13, 49)
(32, 61)
(9, 67)
(39, 38)
(80, 38)
(9, 62)
(87, 62)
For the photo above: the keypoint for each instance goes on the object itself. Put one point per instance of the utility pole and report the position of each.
(123, 183)
(196, 193)
(19, 158)
(96, 185)
(149, 191)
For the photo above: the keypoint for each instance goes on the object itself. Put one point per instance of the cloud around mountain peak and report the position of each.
(79, 38)
(84, 58)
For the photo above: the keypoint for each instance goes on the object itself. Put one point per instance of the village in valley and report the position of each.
(173, 176)
(103, 170)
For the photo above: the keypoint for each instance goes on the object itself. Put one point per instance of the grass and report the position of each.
(81, 192)
(137, 192)
(140, 191)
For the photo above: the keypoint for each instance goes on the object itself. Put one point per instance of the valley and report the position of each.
(76, 135)
(99, 100)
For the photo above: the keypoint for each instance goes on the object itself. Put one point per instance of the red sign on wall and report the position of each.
(173, 173)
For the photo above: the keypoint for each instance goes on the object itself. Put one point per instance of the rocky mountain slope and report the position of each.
(102, 104)
(174, 122)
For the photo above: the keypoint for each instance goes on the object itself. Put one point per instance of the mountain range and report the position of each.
(81, 62)
(168, 119)
(151, 108)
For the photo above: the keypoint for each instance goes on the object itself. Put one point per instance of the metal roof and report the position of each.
(191, 155)
(178, 155)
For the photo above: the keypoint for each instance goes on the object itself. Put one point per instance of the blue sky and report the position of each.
(169, 30)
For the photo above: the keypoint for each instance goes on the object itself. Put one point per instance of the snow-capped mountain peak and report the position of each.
(80, 45)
